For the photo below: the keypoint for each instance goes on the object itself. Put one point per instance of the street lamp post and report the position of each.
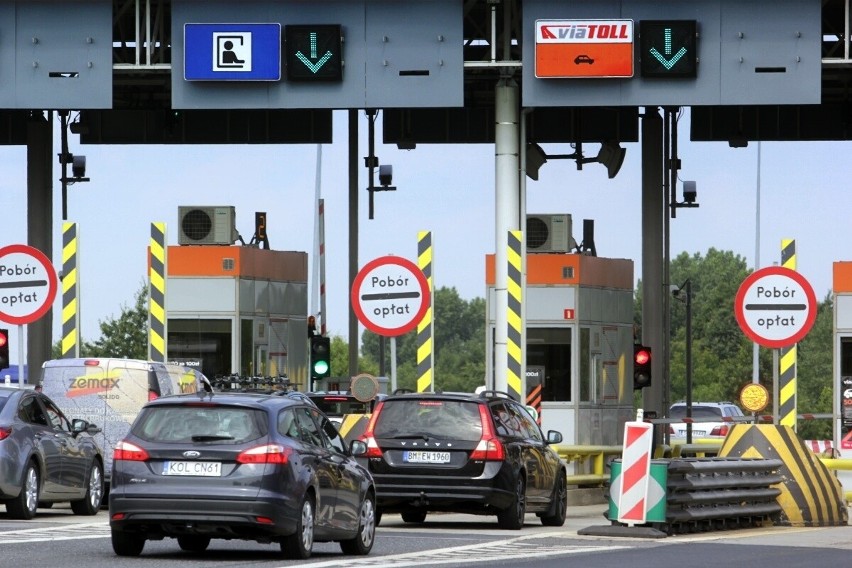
(688, 285)
(687, 289)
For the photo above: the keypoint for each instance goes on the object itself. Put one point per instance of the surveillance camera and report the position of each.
(78, 166)
(385, 174)
(690, 192)
(674, 289)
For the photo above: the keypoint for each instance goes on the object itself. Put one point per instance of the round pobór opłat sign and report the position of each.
(27, 284)
(390, 295)
(775, 307)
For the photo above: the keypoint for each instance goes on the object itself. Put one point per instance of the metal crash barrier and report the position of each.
(596, 459)
(721, 493)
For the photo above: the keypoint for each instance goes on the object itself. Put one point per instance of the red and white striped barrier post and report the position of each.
(635, 471)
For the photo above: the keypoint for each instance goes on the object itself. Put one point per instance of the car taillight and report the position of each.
(5, 432)
(373, 450)
(720, 430)
(489, 447)
(270, 453)
(129, 452)
(152, 395)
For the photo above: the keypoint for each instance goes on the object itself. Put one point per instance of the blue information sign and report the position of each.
(232, 52)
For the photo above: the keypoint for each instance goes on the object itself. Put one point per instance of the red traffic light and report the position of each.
(4, 348)
(641, 366)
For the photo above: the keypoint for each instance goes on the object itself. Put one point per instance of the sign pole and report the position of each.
(775, 398)
(21, 355)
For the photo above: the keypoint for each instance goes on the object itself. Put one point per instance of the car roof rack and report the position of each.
(494, 393)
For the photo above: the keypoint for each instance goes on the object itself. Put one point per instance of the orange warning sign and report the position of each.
(583, 48)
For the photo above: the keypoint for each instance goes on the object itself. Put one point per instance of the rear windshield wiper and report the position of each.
(202, 438)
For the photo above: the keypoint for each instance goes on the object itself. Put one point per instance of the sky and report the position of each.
(446, 189)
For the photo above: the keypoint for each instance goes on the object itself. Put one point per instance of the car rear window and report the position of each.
(445, 419)
(200, 423)
(340, 405)
(697, 412)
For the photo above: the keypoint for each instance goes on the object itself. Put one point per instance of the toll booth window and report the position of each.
(208, 340)
(247, 347)
(845, 391)
(550, 348)
(587, 376)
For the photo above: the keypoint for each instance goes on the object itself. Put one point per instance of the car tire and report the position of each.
(555, 517)
(90, 504)
(366, 536)
(193, 543)
(24, 506)
(298, 546)
(414, 516)
(127, 544)
(512, 518)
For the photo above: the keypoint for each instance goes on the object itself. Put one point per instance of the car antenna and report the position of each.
(206, 387)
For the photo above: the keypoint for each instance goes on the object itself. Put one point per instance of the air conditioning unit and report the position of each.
(549, 233)
(207, 225)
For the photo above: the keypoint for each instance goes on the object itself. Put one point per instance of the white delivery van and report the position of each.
(109, 392)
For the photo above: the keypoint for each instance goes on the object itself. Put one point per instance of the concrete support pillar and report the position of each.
(40, 227)
(354, 339)
(507, 217)
(652, 258)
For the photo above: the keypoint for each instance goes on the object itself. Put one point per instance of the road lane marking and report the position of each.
(46, 534)
(513, 549)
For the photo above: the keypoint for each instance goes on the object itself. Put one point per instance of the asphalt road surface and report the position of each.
(56, 537)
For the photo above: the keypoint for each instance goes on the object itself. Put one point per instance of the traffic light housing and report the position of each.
(4, 348)
(641, 366)
(320, 357)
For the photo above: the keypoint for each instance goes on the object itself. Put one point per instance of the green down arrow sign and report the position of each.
(313, 53)
(668, 48)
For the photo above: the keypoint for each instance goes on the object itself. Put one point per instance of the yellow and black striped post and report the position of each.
(157, 293)
(424, 326)
(514, 321)
(787, 366)
(70, 346)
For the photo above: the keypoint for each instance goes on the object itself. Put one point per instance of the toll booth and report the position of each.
(239, 310)
(579, 343)
(842, 288)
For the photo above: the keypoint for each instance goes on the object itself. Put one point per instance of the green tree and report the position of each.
(458, 345)
(340, 360)
(125, 336)
(815, 374)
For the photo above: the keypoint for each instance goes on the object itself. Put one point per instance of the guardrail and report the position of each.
(720, 493)
(590, 463)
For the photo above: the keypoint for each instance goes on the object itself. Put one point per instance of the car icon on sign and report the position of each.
(847, 394)
(583, 59)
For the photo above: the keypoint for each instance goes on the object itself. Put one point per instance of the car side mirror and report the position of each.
(78, 426)
(554, 437)
(357, 447)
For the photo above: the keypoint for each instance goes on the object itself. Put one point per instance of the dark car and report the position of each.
(45, 458)
(466, 453)
(337, 404)
(239, 466)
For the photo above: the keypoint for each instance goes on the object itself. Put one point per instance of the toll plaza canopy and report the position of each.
(158, 71)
